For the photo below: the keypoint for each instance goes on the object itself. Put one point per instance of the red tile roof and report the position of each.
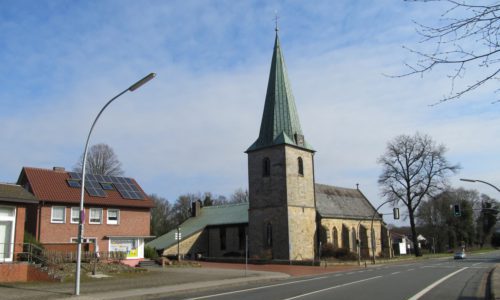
(51, 186)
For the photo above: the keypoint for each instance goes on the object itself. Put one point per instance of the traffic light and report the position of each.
(456, 210)
(395, 213)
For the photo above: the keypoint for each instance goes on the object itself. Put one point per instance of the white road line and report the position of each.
(410, 270)
(331, 288)
(394, 273)
(430, 287)
(256, 288)
(336, 275)
(476, 264)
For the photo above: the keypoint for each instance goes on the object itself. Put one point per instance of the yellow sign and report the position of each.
(133, 253)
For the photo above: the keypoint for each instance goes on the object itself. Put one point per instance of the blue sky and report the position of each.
(186, 130)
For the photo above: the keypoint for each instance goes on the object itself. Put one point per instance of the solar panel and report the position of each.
(127, 188)
(96, 184)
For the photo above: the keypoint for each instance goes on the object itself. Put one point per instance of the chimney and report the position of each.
(58, 169)
(196, 208)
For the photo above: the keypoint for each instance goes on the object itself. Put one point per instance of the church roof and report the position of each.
(337, 202)
(280, 120)
(209, 216)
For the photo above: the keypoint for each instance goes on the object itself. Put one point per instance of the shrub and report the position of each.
(327, 250)
(150, 252)
(344, 254)
(30, 239)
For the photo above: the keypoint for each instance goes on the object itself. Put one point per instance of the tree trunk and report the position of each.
(414, 233)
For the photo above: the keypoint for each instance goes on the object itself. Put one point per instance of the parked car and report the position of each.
(459, 255)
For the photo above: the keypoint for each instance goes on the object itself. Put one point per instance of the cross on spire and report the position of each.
(276, 28)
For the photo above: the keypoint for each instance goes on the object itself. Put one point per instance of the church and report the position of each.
(288, 216)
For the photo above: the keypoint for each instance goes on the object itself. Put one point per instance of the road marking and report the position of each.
(430, 287)
(394, 273)
(410, 270)
(331, 288)
(256, 288)
(476, 264)
(336, 275)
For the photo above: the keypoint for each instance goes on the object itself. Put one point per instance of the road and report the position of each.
(427, 279)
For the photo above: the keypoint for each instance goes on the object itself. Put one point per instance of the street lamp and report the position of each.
(132, 88)
(476, 180)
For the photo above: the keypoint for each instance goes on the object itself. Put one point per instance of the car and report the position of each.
(459, 255)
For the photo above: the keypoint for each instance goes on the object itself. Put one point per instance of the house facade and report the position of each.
(116, 211)
(13, 202)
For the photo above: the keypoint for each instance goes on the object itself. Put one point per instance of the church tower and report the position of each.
(282, 211)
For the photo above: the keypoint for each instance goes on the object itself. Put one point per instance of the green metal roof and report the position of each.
(280, 120)
(209, 216)
(15, 193)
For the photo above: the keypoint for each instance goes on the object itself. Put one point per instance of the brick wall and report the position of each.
(132, 222)
(19, 233)
(21, 273)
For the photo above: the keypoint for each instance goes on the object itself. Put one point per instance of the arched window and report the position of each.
(335, 236)
(301, 166)
(269, 235)
(266, 167)
(354, 239)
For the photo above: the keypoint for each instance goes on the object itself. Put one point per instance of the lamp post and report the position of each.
(476, 180)
(372, 233)
(132, 88)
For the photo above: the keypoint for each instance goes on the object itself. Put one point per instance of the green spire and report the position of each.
(280, 121)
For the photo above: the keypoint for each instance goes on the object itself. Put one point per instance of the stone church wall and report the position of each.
(353, 226)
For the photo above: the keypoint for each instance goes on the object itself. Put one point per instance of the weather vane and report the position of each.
(276, 20)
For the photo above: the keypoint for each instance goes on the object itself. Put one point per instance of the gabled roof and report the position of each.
(15, 193)
(337, 202)
(280, 120)
(209, 216)
(52, 186)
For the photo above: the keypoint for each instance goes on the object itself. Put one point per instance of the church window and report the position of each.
(266, 167)
(269, 235)
(222, 238)
(301, 166)
(335, 236)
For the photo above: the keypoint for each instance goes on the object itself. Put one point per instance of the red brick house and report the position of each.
(117, 211)
(13, 202)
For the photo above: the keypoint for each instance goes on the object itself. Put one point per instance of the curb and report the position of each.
(495, 283)
(124, 294)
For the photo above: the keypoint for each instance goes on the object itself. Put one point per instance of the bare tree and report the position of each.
(413, 168)
(101, 160)
(466, 38)
(239, 196)
(161, 216)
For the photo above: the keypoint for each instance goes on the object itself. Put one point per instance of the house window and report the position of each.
(222, 237)
(108, 186)
(74, 183)
(266, 167)
(269, 235)
(131, 247)
(58, 214)
(113, 216)
(95, 216)
(75, 215)
(301, 166)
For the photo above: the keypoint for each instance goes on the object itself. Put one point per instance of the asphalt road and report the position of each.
(428, 279)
